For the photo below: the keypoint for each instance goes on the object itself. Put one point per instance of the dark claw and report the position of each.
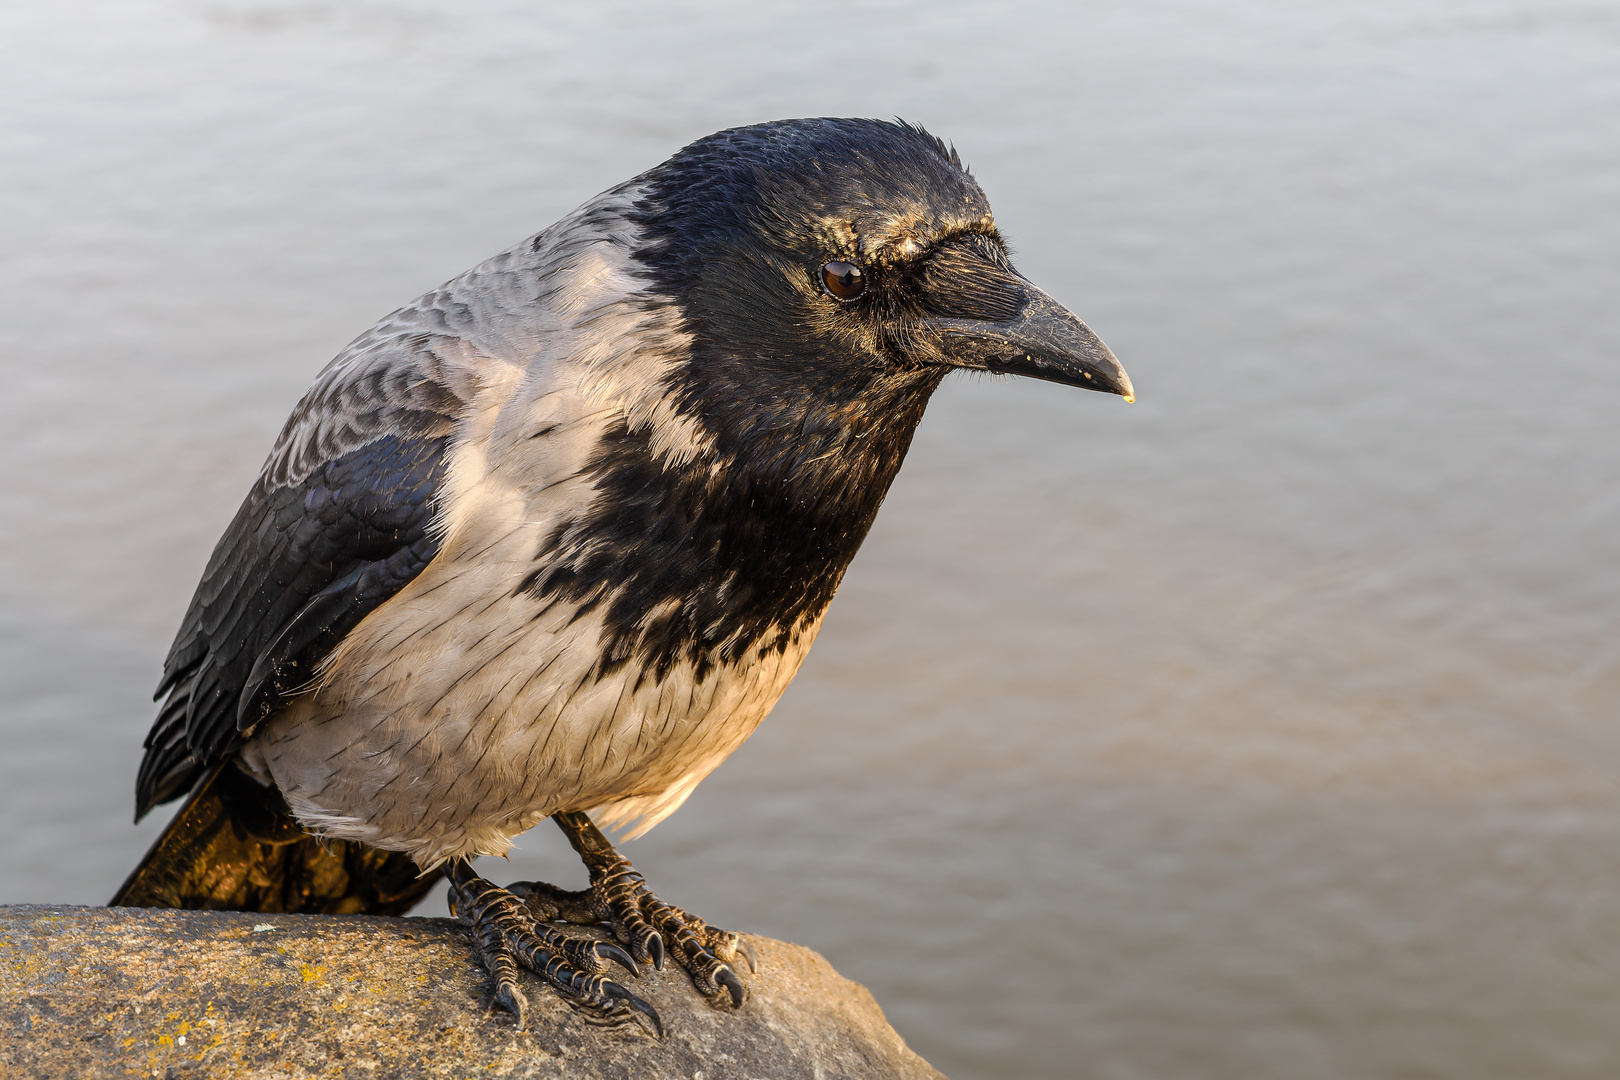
(614, 990)
(655, 946)
(747, 950)
(515, 1003)
(609, 951)
(728, 979)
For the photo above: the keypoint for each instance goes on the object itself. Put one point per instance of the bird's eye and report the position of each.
(844, 280)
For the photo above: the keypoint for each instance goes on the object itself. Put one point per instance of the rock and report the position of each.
(115, 992)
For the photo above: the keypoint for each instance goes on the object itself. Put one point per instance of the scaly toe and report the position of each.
(651, 929)
(505, 934)
(704, 951)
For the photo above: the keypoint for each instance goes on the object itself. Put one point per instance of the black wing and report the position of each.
(300, 565)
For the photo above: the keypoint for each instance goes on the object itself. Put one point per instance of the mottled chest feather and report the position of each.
(721, 558)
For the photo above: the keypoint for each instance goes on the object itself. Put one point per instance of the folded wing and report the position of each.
(316, 546)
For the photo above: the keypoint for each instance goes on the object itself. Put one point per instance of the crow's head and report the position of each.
(801, 288)
(835, 260)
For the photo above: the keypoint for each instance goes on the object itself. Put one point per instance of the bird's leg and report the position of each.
(619, 897)
(507, 935)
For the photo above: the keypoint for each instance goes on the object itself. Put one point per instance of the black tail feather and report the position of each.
(234, 846)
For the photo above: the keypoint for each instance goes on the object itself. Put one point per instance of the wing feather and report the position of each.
(339, 521)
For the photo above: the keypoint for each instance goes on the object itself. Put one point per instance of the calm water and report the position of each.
(1264, 729)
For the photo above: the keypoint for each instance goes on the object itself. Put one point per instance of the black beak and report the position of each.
(1045, 340)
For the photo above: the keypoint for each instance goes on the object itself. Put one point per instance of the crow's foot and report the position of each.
(507, 935)
(652, 929)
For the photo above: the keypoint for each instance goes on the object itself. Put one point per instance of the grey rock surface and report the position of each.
(126, 992)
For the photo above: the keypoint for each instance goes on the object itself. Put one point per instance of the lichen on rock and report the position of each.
(116, 992)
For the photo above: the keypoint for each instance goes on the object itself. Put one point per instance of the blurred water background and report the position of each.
(1264, 729)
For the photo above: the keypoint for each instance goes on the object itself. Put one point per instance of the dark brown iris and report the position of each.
(844, 280)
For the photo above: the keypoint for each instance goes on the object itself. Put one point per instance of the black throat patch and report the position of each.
(729, 554)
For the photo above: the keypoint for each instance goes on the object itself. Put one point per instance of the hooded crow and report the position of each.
(551, 541)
